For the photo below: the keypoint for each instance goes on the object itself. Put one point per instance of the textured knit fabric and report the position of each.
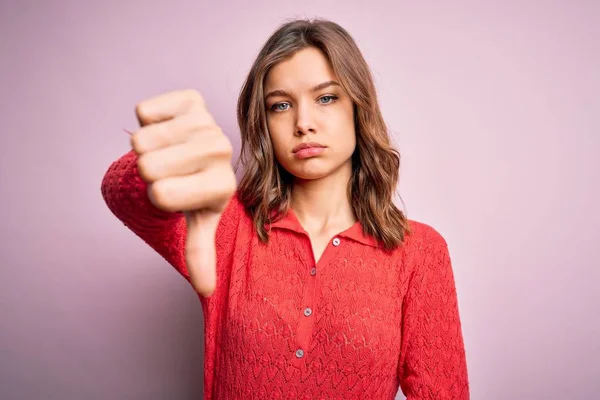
(356, 325)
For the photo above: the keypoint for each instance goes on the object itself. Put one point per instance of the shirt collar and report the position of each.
(355, 232)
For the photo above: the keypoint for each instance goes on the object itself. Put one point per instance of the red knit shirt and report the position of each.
(356, 325)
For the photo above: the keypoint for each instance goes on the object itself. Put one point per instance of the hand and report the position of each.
(186, 160)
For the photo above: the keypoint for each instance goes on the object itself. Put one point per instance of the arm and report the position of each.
(432, 363)
(125, 194)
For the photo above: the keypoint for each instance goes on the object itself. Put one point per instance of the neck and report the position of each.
(323, 204)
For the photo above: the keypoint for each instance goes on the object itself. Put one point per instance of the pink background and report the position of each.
(493, 104)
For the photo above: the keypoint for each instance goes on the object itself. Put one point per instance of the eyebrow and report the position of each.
(283, 93)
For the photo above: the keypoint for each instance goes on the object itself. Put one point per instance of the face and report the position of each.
(306, 105)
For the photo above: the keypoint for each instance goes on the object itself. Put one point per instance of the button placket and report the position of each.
(307, 317)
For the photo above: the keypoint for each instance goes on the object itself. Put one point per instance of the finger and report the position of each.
(166, 106)
(169, 132)
(173, 131)
(184, 159)
(200, 251)
(206, 190)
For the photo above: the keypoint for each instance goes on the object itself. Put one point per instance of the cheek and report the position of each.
(346, 131)
(278, 140)
(345, 118)
(349, 144)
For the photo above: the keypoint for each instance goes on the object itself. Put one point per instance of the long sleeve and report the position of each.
(125, 194)
(432, 362)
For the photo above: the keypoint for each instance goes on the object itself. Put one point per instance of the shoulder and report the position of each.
(422, 236)
(235, 205)
(233, 214)
(425, 249)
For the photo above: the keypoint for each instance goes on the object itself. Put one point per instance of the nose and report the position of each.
(305, 122)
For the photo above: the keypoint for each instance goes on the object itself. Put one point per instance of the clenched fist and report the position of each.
(186, 160)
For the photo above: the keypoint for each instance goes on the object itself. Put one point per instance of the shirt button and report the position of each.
(313, 271)
(299, 353)
(307, 311)
(336, 241)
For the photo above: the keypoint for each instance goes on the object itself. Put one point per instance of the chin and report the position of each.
(313, 168)
(308, 176)
(310, 171)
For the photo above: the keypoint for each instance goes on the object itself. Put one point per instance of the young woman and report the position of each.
(313, 283)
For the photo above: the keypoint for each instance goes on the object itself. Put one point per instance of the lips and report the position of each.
(307, 146)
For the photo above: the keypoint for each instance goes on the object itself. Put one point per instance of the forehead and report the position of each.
(305, 69)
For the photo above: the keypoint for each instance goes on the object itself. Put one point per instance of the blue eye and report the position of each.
(332, 99)
(277, 107)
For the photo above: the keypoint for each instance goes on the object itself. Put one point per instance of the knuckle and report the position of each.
(142, 110)
(223, 143)
(224, 185)
(228, 182)
(232, 183)
(145, 169)
(194, 96)
(136, 143)
(212, 141)
(194, 121)
(161, 196)
(227, 146)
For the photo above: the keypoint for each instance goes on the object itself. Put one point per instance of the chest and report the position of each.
(320, 293)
